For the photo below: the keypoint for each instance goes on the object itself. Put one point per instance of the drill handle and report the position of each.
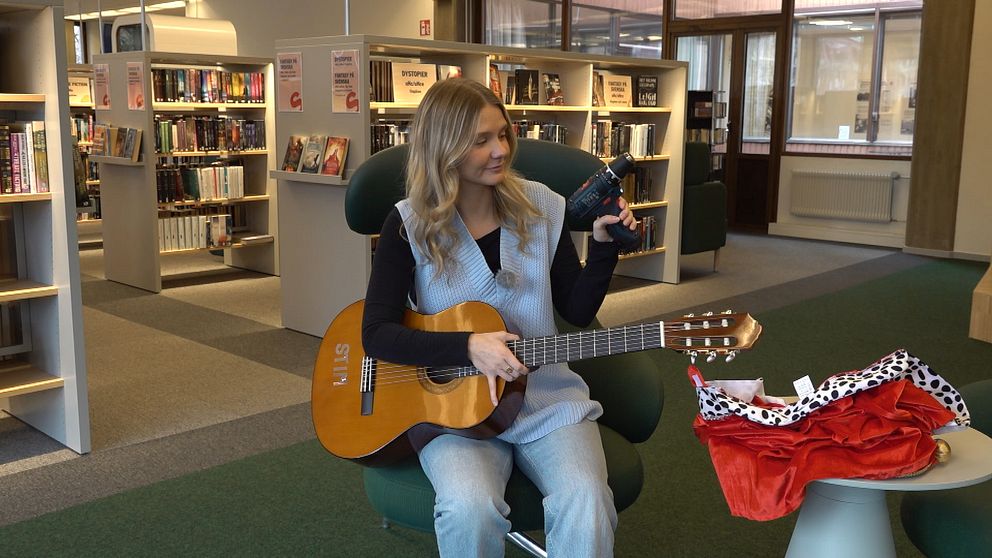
(626, 238)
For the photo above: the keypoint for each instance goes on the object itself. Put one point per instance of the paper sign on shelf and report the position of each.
(136, 85)
(290, 81)
(345, 75)
(101, 86)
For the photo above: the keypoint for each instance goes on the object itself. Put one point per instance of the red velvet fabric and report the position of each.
(880, 433)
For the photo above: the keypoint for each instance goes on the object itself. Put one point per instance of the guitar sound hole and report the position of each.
(440, 376)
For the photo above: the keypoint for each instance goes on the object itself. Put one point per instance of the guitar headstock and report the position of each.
(712, 335)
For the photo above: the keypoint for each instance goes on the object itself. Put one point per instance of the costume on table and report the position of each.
(874, 423)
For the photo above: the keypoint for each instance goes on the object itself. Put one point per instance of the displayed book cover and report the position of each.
(446, 71)
(647, 91)
(313, 152)
(294, 152)
(411, 81)
(526, 87)
(335, 153)
(597, 90)
(511, 90)
(99, 139)
(552, 90)
(495, 82)
(79, 91)
(617, 90)
(220, 230)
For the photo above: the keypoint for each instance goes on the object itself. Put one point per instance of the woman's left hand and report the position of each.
(599, 233)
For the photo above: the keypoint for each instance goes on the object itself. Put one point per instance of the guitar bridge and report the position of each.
(367, 388)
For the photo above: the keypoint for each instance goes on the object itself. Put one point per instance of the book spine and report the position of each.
(41, 157)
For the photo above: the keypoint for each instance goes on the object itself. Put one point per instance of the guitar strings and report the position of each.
(398, 374)
(569, 338)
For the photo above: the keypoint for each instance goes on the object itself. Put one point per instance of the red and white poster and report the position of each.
(136, 85)
(101, 86)
(290, 81)
(345, 75)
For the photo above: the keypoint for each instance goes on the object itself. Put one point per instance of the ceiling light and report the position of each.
(829, 22)
(177, 4)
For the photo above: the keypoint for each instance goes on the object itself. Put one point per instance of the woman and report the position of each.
(471, 229)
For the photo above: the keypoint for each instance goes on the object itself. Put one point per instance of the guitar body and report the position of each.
(406, 407)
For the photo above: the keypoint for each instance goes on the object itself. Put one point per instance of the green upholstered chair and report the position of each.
(704, 205)
(954, 523)
(628, 386)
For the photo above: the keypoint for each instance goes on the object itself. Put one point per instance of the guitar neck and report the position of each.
(581, 345)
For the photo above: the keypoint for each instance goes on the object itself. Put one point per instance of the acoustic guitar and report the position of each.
(376, 412)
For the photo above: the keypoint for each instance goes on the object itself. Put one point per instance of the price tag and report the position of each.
(804, 386)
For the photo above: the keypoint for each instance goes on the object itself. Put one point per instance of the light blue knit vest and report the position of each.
(555, 396)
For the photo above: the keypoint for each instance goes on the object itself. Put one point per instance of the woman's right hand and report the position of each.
(489, 353)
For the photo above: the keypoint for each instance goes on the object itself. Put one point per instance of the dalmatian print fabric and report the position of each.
(714, 404)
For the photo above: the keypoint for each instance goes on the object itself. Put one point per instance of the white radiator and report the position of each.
(860, 196)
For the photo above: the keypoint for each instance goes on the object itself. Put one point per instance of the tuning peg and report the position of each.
(711, 357)
(728, 312)
(707, 313)
(690, 315)
(731, 355)
(692, 356)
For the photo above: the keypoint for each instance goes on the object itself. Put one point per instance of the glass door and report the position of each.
(739, 68)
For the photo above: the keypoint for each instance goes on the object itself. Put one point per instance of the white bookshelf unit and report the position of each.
(325, 266)
(129, 193)
(42, 373)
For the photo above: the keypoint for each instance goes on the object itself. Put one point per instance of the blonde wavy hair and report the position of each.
(444, 130)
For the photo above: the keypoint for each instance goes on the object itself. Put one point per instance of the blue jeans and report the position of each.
(567, 465)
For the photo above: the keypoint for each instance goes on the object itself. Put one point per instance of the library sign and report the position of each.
(290, 81)
(345, 76)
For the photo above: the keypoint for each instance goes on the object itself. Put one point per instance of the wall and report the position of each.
(877, 234)
(973, 235)
(260, 25)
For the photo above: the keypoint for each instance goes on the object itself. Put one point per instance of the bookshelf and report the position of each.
(706, 121)
(316, 204)
(82, 117)
(42, 360)
(131, 192)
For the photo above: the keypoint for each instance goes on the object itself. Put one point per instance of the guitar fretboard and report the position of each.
(538, 351)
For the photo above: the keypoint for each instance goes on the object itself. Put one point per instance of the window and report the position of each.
(617, 27)
(79, 45)
(708, 9)
(610, 27)
(853, 80)
(523, 23)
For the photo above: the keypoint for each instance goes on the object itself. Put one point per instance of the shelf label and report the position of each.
(101, 86)
(136, 86)
(290, 81)
(345, 76)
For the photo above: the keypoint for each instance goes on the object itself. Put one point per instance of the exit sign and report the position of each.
(425, 27)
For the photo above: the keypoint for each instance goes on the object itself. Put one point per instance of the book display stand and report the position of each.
(42, 361)
(325, 266)
(151, 92)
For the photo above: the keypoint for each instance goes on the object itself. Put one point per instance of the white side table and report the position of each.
(849, 518)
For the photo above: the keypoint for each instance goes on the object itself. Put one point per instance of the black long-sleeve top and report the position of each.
(577, 294)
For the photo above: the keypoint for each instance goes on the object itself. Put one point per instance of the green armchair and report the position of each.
(704, 205)
(952, 523)
(628, 386)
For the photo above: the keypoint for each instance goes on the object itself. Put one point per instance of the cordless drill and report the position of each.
(598, 196)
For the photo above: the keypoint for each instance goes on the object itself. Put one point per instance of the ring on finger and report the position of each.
(508, 370)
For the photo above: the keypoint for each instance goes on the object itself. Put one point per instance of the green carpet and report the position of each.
(300, 501)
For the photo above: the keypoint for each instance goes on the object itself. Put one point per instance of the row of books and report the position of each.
(207, 86)
(199, 183)
(113, 141)
(715, 137)
(189, 232)
(316, 154)
(548, 131)
(387, 134)
(637, 185)
(81, 127)
(207, 133)
(524, 88)
(405, 82)
(648, 227)
(23, 158)
(610, 139)
(618, 90)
